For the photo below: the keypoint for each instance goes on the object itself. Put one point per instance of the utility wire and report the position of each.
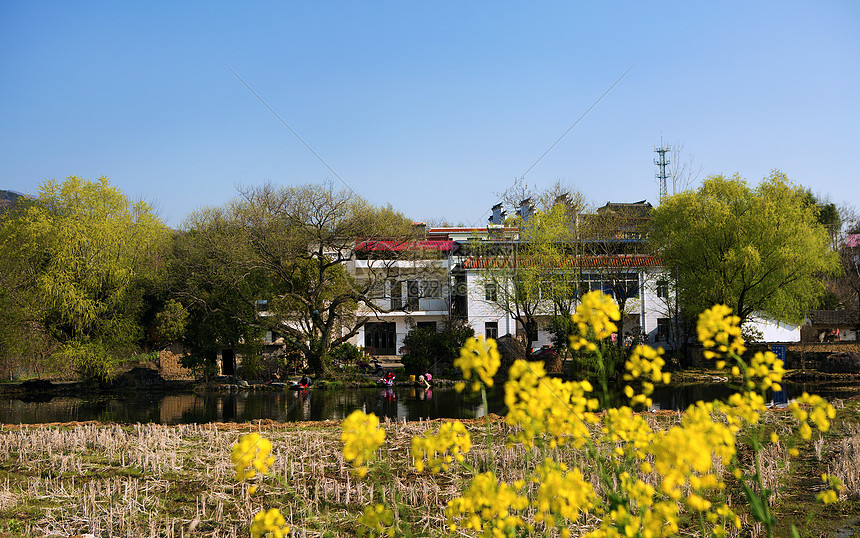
(577, 121)
(350, 188)
(594, 104)
(330, 169)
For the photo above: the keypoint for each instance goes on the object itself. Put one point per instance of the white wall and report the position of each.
(775, 331)
(481, 311)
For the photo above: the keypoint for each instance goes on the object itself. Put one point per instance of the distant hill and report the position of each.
(9, 199)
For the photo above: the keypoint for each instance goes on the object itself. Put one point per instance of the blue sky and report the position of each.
(432, 107)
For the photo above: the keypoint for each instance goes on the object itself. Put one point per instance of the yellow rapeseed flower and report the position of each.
(720, 332)
(375, 521)
(479, 360)
(831, 495)
(269, 523)
(489, 507)
(561, 493)
(546, 406)
(449, 444)
(251, 456)
(596, 311)
(361, 437)
(821, 413)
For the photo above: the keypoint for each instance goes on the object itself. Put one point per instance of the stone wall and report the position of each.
(170, 368)
(798, 355)
(808, 354)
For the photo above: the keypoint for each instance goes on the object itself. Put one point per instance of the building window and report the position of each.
(546, 290)
(624, 285)
(491, 329)
(490, 292)
(380, 338)
(413, 293)
(662, 330)
(433, 289)
(396, 295)
(377, 289)
(663, 288)
(630, 285)
(426, 326)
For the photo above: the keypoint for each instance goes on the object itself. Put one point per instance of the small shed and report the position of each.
(830, 326)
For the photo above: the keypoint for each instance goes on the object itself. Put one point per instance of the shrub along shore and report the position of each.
(155, 480)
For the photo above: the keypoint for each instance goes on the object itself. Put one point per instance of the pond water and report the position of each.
(400, 403)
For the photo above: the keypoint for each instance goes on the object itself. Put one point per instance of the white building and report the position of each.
(409, 290)
(638, 277)
(445, 276)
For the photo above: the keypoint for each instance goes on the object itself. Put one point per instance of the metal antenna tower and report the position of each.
(662, 171)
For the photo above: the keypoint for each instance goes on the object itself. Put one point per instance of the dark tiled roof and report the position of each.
(833, 317)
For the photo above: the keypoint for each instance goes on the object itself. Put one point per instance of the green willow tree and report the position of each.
(760, 251)
(76, 262)
(535, 278)
(615, 238)
(290, 247)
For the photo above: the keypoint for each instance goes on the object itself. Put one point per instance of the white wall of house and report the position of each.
(653, 305)
(648, 310)
(403, 324)
(774, 331)
(482, 313)
(418, 292)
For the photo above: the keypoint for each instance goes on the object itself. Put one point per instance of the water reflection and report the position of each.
(399, 403)
(285, 406)
(682, 396)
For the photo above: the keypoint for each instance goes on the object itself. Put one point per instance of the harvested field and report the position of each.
(153, 480)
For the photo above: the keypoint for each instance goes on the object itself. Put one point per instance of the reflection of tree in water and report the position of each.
(60, 409)
(181, 409)
(410, 403)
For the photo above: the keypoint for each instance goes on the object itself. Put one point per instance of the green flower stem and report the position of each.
(764, 515)
(487, 423)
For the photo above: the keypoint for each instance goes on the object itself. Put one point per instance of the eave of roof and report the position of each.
(586, 262)
(398, 246)
(833, 317)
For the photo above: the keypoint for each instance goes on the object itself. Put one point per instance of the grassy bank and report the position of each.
(153, 480)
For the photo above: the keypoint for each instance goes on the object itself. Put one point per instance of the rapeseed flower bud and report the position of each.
(361, 437)
(375, 521)
(251, 456)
